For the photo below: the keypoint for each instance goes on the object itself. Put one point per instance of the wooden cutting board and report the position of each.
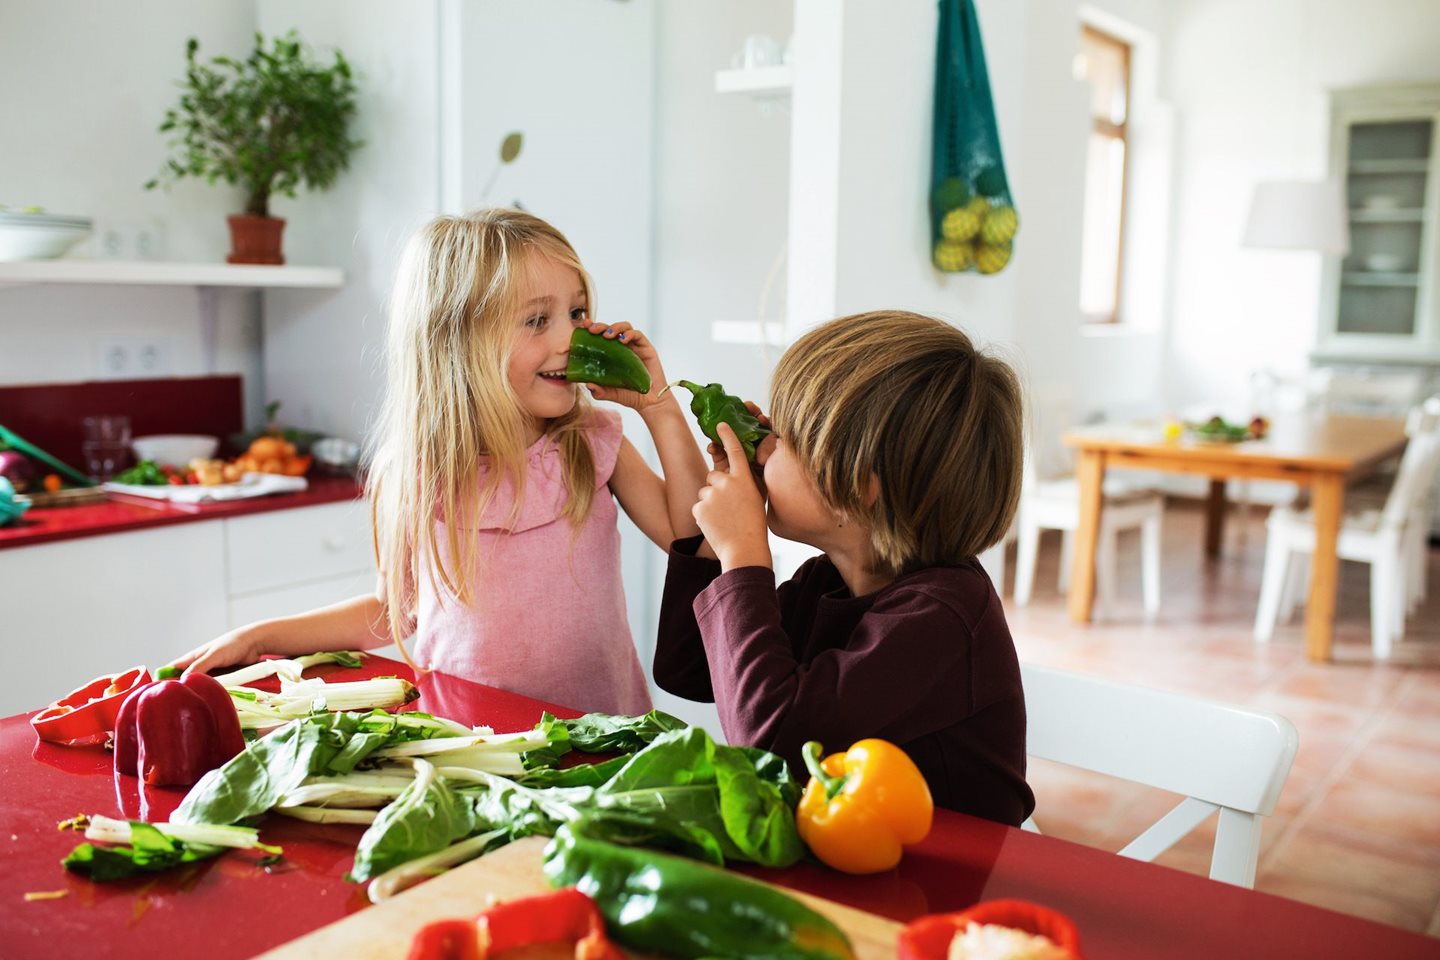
(384, 931)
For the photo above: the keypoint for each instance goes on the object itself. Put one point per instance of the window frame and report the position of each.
(1115, 131)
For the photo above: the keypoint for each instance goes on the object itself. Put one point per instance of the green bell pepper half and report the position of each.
(678, 907)
(610, 363)
(713, 406)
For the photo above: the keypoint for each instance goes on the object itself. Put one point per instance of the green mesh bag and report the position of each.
(972, 215)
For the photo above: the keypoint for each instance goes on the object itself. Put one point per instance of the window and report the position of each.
(1104, 63)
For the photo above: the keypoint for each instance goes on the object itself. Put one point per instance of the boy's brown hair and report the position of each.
(908, 400)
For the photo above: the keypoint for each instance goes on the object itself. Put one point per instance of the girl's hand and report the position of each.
(638, 342)
(731, 509)
(238, 647)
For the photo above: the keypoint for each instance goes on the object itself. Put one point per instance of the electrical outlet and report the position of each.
(131, 358)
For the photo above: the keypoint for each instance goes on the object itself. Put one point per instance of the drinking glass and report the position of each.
(105, 444)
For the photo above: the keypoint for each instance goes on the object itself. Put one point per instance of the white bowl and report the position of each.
(174, 449)
(39, 236)
(336, 451)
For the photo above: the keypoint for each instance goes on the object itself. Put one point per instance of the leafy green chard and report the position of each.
(683, 792)
(147, 848)
(322, 744)
(606, 733)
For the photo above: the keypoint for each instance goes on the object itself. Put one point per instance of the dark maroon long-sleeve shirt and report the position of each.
(925, 662)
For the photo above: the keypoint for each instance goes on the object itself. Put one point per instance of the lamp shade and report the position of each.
(1299, 215)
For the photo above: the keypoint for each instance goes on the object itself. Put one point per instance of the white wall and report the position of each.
(1264, 116)
(322, 350)
(86, 85)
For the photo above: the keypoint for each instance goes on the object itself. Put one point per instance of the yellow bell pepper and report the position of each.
(863, 806)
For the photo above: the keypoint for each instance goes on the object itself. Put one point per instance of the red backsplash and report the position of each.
(49, 414)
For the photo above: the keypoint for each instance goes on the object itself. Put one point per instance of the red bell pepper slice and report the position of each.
(90, 712)
(446, 940)
(172, 732)
(561, 917)
(928, 938)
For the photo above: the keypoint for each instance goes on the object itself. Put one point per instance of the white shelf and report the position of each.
(1375, 278)
(1368, 215)
(1390, 166)
(162, 274)
(756, 81)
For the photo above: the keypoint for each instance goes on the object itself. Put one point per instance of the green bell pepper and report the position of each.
(678, 907)
(610, 363)
(713, 406)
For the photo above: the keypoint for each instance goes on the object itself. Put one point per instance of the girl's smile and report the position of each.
(552, 305)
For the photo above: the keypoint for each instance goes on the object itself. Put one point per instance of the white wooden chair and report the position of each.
(1380, 537)
(1050, 500)
(1055, 505)
(1221, 758)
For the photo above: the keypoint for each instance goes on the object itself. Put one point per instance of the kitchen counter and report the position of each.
(231, 908)
(52, 524)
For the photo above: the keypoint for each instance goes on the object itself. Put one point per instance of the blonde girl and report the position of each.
(494, 481)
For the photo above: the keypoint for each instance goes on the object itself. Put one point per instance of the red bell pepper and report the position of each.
(561, 917)
(928, 938)
(171, 732)
(90, 712)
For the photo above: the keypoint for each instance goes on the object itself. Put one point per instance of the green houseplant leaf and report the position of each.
(270, 123)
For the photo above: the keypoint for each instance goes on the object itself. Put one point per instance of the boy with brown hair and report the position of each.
(897, 452)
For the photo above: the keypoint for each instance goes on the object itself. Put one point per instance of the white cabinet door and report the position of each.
(80, 608)
(286, 548)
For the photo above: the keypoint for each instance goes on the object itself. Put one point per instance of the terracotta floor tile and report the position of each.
(1357, 827)
(1374, 812)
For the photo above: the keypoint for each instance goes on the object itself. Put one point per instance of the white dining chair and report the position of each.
(1379, 537)
(1222, 759)
(1054, 504)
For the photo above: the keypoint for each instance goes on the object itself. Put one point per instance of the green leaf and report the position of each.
(510, 147)
(149, 851)
(606, 733)
(427, 816)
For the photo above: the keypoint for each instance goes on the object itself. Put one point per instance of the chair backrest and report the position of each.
(1413, 479)
(1219, 757)
(1424, 417)
(1049, 412)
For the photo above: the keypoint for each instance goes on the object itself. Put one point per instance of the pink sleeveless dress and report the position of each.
(547, 614)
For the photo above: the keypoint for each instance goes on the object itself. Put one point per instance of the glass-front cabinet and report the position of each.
(1380, 301)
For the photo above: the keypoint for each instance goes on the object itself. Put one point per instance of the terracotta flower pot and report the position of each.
(255, 239)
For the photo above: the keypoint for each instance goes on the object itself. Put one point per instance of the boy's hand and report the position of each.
(637, 342)
(762, 451)
(731, 509)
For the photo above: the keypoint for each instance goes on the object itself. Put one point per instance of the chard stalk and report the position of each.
(108, 830)
(288, 669)
(354, 790)
(408, 874)
(329, 814)
(499, 743)
(258, 709)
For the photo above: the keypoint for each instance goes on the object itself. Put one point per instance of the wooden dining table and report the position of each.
(236, 906)
(1315, 450)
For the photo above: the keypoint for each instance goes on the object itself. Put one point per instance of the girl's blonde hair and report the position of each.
(449, 408)
(908, 401)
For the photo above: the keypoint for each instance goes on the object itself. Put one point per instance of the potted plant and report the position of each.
(270, 123)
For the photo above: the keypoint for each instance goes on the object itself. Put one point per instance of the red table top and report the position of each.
(1123, 908)
(50, 524)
